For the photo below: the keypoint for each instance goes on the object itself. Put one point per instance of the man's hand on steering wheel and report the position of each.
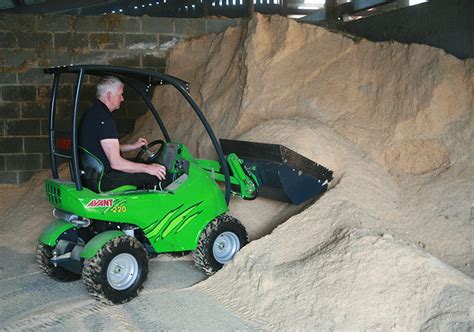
(139, 143)
(133, 146)
(147, 149)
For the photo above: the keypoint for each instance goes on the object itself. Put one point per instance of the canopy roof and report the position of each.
(149, 78)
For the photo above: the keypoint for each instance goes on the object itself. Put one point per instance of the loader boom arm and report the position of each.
(243, 180)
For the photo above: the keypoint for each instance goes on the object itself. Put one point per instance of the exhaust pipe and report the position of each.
(71, 218)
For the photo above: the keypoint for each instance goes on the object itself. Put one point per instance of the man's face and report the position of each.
(115, 99)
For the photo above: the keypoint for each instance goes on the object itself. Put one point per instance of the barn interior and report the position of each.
(379, 92)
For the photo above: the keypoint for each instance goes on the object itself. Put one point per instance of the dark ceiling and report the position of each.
(169, 8)
(346, 10)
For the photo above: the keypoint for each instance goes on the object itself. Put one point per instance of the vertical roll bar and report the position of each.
(52, 110)
(75, 159)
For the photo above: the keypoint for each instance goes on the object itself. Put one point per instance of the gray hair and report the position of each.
(108, 84)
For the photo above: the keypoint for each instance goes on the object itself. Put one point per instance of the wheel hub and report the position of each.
(122, 271)
(225, 246)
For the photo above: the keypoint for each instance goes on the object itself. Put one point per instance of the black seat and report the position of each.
(92, 170)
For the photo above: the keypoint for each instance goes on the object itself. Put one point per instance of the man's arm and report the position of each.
(111, 148)
(131, 147)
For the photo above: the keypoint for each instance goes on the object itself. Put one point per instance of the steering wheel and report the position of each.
(147, 148)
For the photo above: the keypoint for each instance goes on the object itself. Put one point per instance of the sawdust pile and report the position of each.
(390, 246)
(26, 212)
(345, 262)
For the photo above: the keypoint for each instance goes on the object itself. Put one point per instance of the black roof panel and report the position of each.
(144, 76)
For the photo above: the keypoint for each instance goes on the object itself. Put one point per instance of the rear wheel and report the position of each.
(117, 272)
(219, 242)
(43, 257)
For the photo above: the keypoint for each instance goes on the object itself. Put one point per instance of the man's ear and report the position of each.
(109, 95)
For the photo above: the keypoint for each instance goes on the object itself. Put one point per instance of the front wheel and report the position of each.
(117, 272)
(44, 253)
(219, 242)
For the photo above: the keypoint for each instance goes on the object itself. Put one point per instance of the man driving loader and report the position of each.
(100, 150)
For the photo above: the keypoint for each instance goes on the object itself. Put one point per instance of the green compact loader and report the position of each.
(106, 238)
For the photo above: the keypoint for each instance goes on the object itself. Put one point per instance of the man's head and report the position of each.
(110, 92)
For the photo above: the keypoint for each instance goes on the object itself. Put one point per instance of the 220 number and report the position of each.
(119, 209)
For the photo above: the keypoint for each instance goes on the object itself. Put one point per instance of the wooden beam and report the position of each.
(284, 8)
(250, 8)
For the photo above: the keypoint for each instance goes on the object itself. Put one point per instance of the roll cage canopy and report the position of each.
(148, 78)
(62, 144)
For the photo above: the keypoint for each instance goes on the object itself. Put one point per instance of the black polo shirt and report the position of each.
(97, 124)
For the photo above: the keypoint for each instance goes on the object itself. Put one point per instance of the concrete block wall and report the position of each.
(29, 43)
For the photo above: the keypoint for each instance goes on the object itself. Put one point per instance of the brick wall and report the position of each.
(28, 43)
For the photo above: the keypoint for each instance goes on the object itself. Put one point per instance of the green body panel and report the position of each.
(172, 220)
(54, 230)
(97, 242)
(124, 188)
(214, 168)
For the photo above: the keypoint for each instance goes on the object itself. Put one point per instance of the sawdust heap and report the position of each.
(25, 211)
(390, 246)
(345, 263)
(394, 121)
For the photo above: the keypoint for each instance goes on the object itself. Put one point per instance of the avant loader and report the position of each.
(107, 238)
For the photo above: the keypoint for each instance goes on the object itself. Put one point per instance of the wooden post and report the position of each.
(330, 10)
(250, 8)
(284, 8)
(206, 4)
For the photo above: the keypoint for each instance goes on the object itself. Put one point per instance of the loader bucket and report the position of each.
(283, 174)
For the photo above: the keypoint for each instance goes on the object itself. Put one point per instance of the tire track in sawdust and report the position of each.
(25, 275)
(30, 296)
(120, 315)
(71, 311)
(241, 312)
(59, 313)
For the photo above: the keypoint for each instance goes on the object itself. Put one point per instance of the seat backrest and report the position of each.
(92, 170)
